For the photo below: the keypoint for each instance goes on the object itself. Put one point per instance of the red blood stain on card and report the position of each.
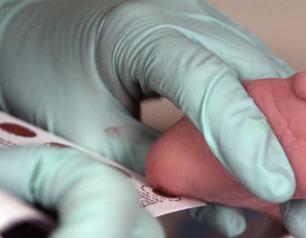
(163, 194)
(17, 129)
(56, 144)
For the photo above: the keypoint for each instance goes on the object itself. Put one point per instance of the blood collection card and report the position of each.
(18, 217)
(15, 132)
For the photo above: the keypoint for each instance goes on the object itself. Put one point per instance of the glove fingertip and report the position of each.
(228, 221)
(279, 189)
(294, 217)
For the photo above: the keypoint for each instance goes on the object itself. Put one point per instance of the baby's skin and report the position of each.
(181, 163)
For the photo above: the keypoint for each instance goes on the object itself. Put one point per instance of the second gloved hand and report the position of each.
(91, 199)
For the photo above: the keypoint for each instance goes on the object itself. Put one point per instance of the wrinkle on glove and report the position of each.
(98, 59)
(183, 154)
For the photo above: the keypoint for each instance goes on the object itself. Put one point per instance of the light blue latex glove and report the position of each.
(92, 199)
(294, 217)
(80, 68)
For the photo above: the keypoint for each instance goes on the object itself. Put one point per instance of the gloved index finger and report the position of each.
(241, 138)
(208, 91)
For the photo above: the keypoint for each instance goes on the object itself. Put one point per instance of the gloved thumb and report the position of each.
(294, 217)
(92, 199)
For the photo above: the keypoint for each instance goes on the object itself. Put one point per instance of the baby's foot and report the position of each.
(181, 163)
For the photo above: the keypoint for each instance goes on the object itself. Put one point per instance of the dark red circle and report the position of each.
(18, 130)
(163, 194)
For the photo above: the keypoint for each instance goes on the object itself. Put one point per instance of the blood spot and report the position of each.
(163, 194)
(16, 129)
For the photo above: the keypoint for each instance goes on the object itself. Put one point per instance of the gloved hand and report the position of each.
(92, 199)
(80, 68)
